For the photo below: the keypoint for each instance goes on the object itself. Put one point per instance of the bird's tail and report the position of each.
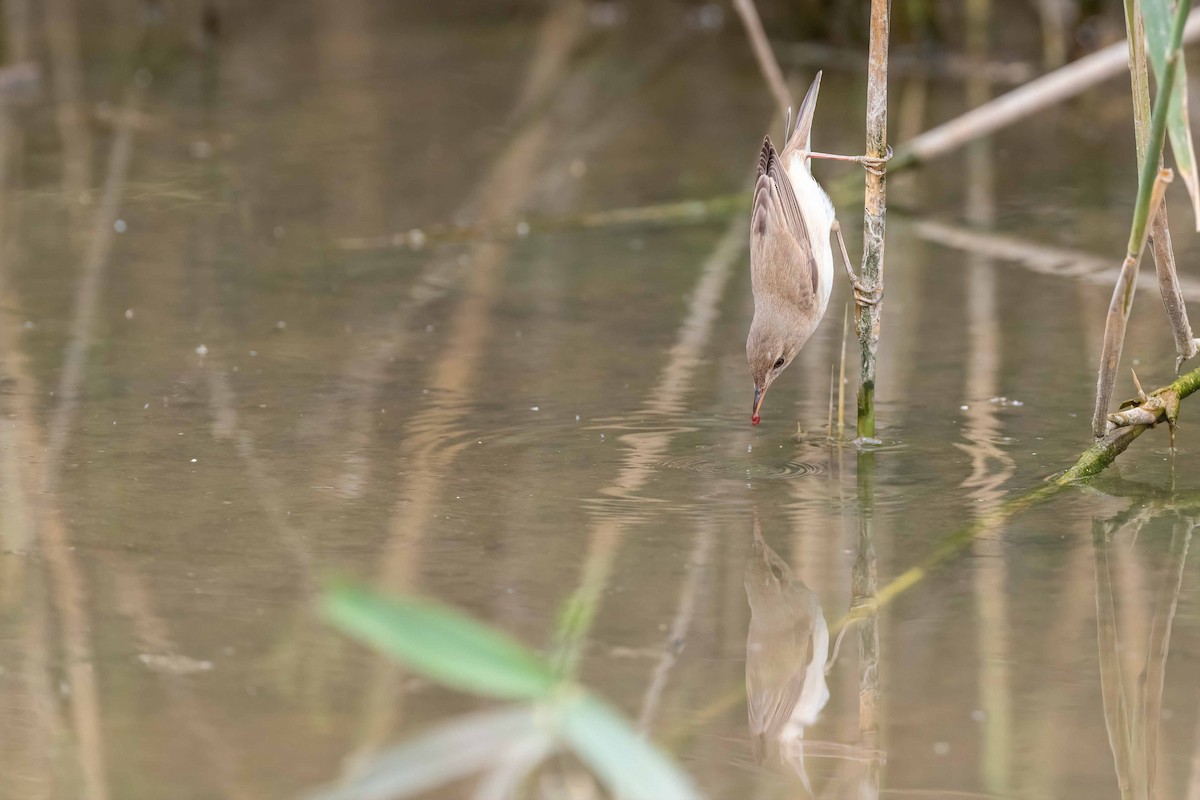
(801, 137)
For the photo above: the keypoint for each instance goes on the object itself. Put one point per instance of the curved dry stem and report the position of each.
(765, 55)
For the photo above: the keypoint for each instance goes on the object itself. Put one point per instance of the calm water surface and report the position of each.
(223, 384)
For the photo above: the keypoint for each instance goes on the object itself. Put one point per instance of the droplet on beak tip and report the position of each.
(754, 420)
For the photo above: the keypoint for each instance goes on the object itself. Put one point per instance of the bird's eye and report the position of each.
(779, 363)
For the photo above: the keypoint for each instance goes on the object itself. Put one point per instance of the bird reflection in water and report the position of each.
(786, 650)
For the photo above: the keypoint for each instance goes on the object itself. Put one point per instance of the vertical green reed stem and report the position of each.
(1158, 133)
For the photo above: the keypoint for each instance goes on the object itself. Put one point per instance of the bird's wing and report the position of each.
(781, 255)
(773, 687)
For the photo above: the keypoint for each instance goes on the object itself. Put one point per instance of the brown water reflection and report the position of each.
(210, 403)
(786, 651)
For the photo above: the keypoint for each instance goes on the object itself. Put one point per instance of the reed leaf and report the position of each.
(1158, 16)
(440, 643)
(632, 767)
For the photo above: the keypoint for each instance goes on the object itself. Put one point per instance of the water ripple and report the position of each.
(741, 471)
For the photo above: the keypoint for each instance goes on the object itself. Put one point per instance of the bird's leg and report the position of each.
(863, 295)
(869, 163)
(859, 610)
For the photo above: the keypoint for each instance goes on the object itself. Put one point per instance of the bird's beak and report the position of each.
(759, 393)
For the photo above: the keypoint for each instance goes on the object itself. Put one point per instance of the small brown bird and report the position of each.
(791, 260)
(787, 646)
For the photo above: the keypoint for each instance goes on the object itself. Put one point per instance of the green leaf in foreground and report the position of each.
(440, 643)
(1158, 16)
(632, 767)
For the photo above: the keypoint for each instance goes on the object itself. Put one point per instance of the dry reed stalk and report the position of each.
(1121, 304)
(867, 317)
(762, 51)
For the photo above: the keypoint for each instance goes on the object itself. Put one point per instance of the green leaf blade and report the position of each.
(632, 767)
(1158, 16)
(440, 643)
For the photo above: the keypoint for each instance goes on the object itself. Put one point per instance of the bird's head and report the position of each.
(769, 349)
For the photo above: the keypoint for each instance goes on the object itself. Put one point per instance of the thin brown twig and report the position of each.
(763, 52)
(1155, 675)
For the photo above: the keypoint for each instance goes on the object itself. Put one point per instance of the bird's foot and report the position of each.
(876, 165)
(862, 607)
(865, 295)
(872, 164)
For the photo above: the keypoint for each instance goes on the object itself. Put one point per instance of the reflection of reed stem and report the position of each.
(33, 725)
(667, 395)
(266, 487)
(504, 187)
(65, 570)
(1155, 675)
(1132, 714)
(680, 625)
(1193, 790)
(864, 588)
(991, 465)
(1112, 684)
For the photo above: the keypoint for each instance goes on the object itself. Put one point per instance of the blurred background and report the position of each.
(298, 289)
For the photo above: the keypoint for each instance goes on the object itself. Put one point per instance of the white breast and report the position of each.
(818, 213)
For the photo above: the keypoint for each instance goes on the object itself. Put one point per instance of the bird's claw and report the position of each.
(862, 607)
(876, 165)
(865, 295)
